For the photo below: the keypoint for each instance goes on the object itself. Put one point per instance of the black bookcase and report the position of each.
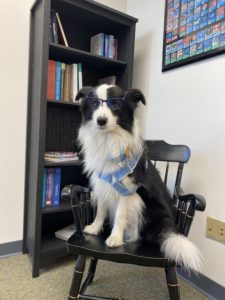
(53, 125)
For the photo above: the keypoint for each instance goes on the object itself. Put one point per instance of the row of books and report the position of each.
(61, 156)
(56, 32)
(101, 44)
(64, 80)
(105, 45)
(51, 187)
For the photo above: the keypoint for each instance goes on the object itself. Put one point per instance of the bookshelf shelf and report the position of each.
(51, 243)
(62, 163)
(53, 125)
(72, 55)
(64, 206)
(63, 103)
(51, 246)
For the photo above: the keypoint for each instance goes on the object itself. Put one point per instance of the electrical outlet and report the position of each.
(215, 229)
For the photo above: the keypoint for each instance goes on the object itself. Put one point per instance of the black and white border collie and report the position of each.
(126, 187)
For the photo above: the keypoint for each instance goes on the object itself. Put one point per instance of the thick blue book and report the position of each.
(44, 189)
(49, 186)
(58, 81)
(56, 187)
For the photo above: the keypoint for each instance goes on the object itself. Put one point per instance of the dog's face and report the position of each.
(108, 106)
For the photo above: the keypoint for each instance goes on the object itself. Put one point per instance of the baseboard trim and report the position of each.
(206, 285)
(11, 248)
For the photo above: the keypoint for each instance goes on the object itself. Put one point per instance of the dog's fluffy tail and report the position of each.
(177, 247)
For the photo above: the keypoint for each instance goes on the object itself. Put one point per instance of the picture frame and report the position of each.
(193, 30)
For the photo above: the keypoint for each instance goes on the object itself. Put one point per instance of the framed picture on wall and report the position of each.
(193, 30)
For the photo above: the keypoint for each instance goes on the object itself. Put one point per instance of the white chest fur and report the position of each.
(99, 149)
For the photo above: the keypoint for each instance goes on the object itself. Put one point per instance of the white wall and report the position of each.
(120, 5)
(14, 24)
(186, 105)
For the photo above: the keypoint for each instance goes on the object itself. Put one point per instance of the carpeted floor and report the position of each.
(111, 280)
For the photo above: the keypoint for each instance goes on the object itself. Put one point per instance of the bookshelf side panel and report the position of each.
(36, 122)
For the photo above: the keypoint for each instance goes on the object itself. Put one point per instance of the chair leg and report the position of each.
(77, 278)
(91, 274)
(172, 283)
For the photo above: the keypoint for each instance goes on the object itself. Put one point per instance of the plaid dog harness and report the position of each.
(127, 167)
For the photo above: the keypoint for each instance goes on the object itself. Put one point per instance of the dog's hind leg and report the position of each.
(134, 218)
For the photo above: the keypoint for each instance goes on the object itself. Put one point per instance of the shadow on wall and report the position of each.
(141, 75)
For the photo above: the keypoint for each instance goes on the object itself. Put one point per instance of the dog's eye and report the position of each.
(115, 103)
(93, 102)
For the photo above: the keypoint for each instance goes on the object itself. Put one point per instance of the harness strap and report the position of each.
(115, 178)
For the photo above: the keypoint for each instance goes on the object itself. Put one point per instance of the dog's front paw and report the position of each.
(114, 241)
(92, 229)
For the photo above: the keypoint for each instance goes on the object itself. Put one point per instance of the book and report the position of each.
(74, 81)
(111, 46)
(56, 187)
(80, 76)
(115, 48)
(61, 34)
(63, 66)
(49, 186)
(51, 39)
(97, 44)
(67, 83)
(44, 188)
(58, 81)
(61, 156)
(54, 27)
(108, 80)
(66, 232)
(106, 45)
(51, 79)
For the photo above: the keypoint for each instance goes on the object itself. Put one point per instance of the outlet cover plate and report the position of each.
(215, 229)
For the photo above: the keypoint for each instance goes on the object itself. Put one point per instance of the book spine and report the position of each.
(44, 189)
(49, 186)
(111, 46)
(115, 49)
(51, 39)
(102, 43)
(106, 46)
(61, 34)
(56, 186)
(58, 81)
(51, 79)
(63, 66)
(54, 27)
(67, 83)
(74, 81)
(80, 77)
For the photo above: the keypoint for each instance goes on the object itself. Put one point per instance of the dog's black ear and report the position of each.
(83, 92)
(135, 95)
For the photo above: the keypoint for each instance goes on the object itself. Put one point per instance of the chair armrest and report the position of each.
(198, 200)
(74, 194)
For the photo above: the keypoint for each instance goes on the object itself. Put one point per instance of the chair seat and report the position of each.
(140, 252)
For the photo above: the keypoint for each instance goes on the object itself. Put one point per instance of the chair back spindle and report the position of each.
(160, 151)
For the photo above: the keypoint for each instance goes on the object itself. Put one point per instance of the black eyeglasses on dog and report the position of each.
(112, 103)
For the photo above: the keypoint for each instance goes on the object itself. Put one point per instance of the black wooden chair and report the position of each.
(140, 252)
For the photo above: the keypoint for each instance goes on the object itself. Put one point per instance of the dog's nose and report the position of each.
(102, 121)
